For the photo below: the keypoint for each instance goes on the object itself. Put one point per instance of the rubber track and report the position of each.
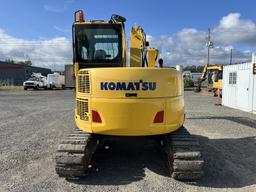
(73, 158)
(184, 156)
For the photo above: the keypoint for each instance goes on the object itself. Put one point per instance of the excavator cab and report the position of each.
(99, 43)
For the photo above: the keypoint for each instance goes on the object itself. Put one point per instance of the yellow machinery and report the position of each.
(213, 73)
(113, 99)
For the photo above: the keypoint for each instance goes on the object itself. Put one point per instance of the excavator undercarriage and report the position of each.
(74, 158)
(184, 156)
(75, 153)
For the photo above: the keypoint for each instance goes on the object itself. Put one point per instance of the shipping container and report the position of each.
(239, 86)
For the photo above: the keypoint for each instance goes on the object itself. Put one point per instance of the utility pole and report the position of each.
(209, 45)
(231, 56)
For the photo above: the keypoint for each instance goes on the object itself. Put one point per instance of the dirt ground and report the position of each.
(33, 122)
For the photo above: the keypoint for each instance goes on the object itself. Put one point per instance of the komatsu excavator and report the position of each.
(213, 73)
(119, 99)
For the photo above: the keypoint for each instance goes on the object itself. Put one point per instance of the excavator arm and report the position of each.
(138, 46)
(204, 73)
(140, 54)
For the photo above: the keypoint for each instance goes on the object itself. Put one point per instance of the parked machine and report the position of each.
(55, 81)
(117, 101)
(36, 81)
(213, 73)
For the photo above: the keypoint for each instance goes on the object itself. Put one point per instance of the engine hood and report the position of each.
(130, 82)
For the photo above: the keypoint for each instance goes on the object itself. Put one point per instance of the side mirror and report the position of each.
(147, 43)
(118, 18)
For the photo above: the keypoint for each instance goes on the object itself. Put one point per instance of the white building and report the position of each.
(239, 86)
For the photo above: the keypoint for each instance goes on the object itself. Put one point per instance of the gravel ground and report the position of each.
(33, 122)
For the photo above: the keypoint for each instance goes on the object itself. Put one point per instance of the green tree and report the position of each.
(194, 69)
(27, 62)
(9, 61)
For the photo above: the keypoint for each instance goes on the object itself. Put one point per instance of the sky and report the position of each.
(41, 30)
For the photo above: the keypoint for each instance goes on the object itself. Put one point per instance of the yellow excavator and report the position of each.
(116, 99)
(213, 73)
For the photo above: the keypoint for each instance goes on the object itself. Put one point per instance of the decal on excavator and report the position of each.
(128, 86)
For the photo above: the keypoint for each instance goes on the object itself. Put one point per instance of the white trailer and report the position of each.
(239, 86)
(55, 80)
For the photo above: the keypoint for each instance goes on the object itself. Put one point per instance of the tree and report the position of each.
(194, 69)
(9, 61)
(27, 62)
(200, 68)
